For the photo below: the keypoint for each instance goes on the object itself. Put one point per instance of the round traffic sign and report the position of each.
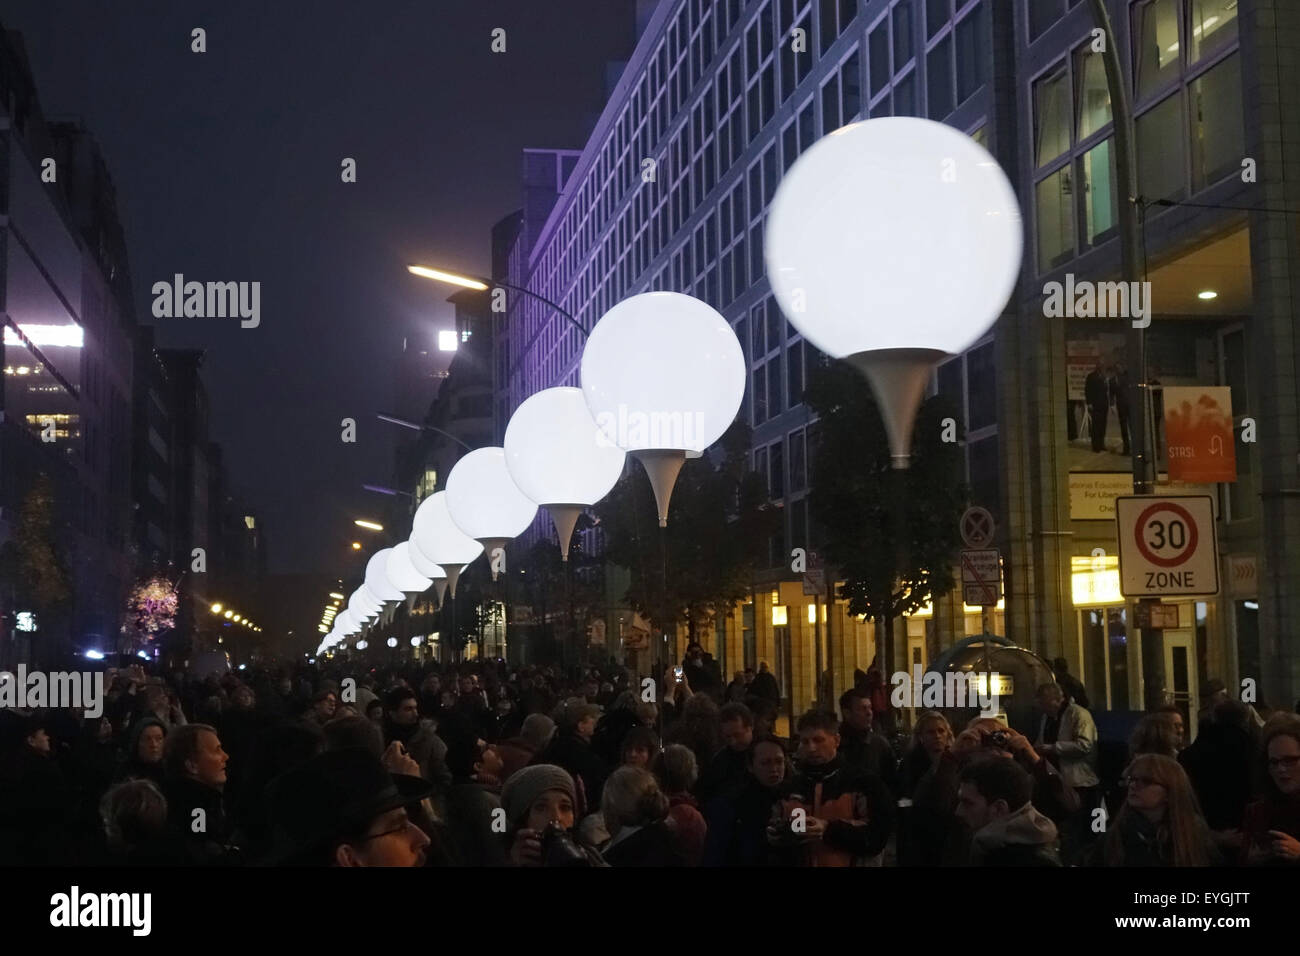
(1172, 540)
(977, 527)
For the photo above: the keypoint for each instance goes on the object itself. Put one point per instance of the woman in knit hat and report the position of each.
(540, 806)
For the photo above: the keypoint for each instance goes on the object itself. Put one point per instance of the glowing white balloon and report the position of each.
(892, 243)
(439, 540)
(423, 565)
(663, 375)
(485, 503)
(402, 573)
(559, 458)
(377, 577)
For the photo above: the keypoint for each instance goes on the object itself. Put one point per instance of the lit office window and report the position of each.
(1055, 220)
(1100, 200)
(1212, 27)
(1159, 150)
(1093, 95)
(1051, 116)
(1217, 134)
(1155, 44)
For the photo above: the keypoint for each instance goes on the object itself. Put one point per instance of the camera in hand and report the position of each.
(999, 738)
(559, 849)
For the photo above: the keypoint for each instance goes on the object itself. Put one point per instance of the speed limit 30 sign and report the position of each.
(1167, 546)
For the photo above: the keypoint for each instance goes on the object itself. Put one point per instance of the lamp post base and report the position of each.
(662, 465)
(565, 518)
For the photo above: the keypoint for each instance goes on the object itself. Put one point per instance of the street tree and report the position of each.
(892, 534)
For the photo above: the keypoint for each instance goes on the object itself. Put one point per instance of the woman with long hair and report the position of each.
(1160, 823)
(928, 788)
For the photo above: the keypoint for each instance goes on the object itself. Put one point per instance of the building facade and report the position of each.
(671, 190)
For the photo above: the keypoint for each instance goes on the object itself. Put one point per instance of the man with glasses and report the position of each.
(342, 808)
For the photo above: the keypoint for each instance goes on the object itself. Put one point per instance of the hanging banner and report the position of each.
(1198, 433)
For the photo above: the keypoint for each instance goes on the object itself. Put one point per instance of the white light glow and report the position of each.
(47, 336)
(483, 500)
(448, 341)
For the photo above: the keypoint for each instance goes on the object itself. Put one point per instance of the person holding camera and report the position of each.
(540, 803)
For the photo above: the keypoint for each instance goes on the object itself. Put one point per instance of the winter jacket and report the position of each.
(1023, 838)
(642, 846)
(859, 811)
(1219, 764)
(870, 753)
(1076, 745)
(726, 773)
(688, 828)
(737, 826)
(1275, 812)
(206, 837)
(575, 755)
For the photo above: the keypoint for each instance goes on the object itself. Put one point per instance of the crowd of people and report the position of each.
(480, 764)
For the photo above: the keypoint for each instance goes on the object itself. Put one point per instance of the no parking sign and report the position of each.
(1167, 546)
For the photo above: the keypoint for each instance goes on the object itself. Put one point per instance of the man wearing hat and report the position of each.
(342, 808)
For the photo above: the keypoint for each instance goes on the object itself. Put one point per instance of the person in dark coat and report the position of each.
(1072, 686)
(133, 815)
(737, 821)
(1096, 393)
(861, 747)
(36, 800)
(847, 816)
(702, 671)
(472, 800)
(196, 779)
(607, 741)
(570, 749)
(729, 769)
(143, 757)
(993, 800)
(635, 810)
(1219, 763)
(764, 687)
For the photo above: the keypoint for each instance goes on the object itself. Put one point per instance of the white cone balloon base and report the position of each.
(453, 575)
(440, 586)
(663, 466)
(565, 518)
(490, 546)
(899, 378)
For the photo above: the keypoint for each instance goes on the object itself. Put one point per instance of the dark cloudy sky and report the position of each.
(227, 167)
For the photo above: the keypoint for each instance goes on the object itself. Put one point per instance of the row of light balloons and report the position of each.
(892, 243)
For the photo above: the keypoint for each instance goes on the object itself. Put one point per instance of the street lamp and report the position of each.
(368, 525)
(663, 375)
(485, 503)
(482, 285)
(559, 458)
(893, 243)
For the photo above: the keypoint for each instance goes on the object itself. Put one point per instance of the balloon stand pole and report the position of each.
(898, 378)
(453, 575)
(490, 547)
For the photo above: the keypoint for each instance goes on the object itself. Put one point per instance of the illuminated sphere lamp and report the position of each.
(663, 375)
(362, 606)
(560, 458)
(392, 642)
(377, 577)
(440, 540)
(485, 503)
(894, 243)
(433, 572)
(345, 623)
(402, 573)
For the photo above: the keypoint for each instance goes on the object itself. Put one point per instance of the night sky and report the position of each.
(227, 168)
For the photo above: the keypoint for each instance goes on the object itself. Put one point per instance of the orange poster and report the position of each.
(1198, 434)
